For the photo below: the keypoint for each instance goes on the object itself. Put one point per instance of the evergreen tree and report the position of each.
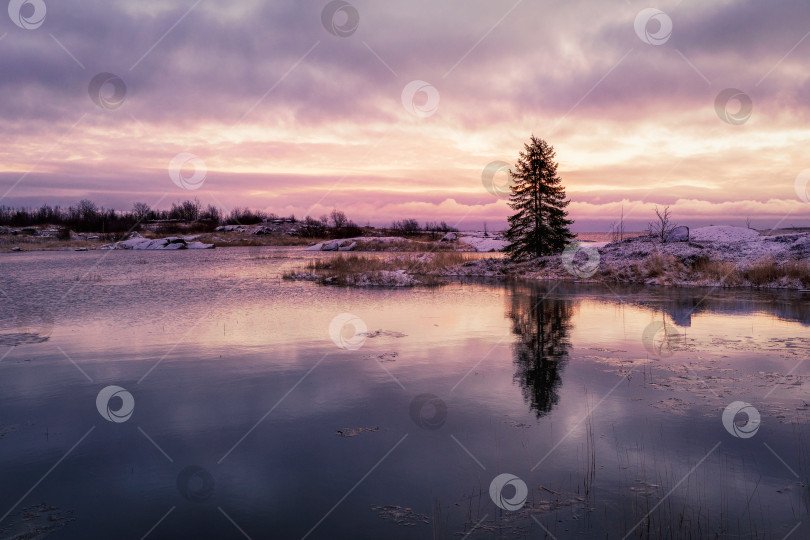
(540, 223)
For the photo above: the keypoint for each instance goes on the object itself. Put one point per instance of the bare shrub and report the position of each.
(663, 224)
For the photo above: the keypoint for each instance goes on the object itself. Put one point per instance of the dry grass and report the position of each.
(38, 243)
(352, 270)
(603, 236)
(667, 269)
(761, 273)
(663, 267)
(220, 239)
(770, 271)
(407, 245)
(660, 265)
(350, 264)
(235, 239)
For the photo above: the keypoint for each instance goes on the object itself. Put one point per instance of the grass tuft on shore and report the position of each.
(666, 269)
(373, 271)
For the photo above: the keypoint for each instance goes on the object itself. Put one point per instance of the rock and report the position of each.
(136, 241)
(335, 245)
(449, 237)
(381, 243)
(199, 245)
(329, 246)
(678, 234)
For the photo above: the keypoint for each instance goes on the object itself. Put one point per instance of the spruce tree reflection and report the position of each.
(542, 325)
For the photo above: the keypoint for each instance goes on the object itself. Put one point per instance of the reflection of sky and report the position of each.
(239, 361)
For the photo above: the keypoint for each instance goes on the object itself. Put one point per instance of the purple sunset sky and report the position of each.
(289, 118)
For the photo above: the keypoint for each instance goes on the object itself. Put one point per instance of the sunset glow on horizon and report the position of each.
(292, 117)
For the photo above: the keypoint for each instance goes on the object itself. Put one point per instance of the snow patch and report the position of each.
(136, 241)
(485, 244)
(724, 233)
(348, 244)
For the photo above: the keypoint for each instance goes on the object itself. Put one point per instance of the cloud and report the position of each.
(280, 109)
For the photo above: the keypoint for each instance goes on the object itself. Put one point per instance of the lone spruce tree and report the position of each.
(540, 223)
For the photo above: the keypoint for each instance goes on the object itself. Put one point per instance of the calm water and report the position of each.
(249, 420)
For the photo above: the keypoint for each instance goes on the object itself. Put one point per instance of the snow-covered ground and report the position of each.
(724, 233)
(713, 256)
(484, 243)
(597, 245)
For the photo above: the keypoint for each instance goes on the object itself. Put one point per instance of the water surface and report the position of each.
(249, 420)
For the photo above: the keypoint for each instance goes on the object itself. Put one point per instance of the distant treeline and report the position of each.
(87, 216)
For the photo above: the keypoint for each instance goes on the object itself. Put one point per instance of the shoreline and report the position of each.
(721, 257)
(717, 257)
